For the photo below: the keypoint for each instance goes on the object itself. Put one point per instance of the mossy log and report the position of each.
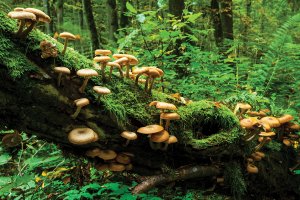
(30, 101)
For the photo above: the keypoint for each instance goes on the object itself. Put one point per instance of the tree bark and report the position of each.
(88, 10)
(112, 19)
(124, 20)
(217, 24)
(176, 7)
(227, 19)
(49, 26)
(60, 14)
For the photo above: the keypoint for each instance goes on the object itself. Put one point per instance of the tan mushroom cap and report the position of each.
(150, 129)
(244, 106)
(82, 136)
(102, 167)
(255, 113)
(18, 9)
(172, 139)
(272, 121)
(160, 71)
(252, 169)
(123, 159)
(107, 154)
(132, 60)
(170, 116)
(101, 90)
(102, 59)
(255, 157)
(287, 142)
(102, 52)
(22, 15)
(87, 72)
(140, 70)
(248, 123)
(160, 137)
(129, 135)
(260, 154)
(121, 61)
(82, 102)
(267, 134)
(93, 152)
(116, 167)
(153, 73)
(63, 70)
(39, 14)
(153, 103)
(113, 64)
(294, 127)
(165, 106)
(67, 35)
(285, 118)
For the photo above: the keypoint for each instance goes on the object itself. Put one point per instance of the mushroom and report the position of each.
(168, 117)
(132, 60)
(139, 72)
(265, 136)
(22, 16)
(101, 91)
(93, 152)
(152, 73)
(123, 159)
(107, 154)
(252, 169)
(116, 167)
(285, 118)
(248, 123)
(256, 114)
(151, 129)
(243, 107)
(287, 142)
(81, 136)
(172, 139)
(60, 71)
(163, 106)
(102, 167)
(79, 104)
(12, 140)
(66, 36)
(272, 121)
(87, 74)
(112, 65)
(103, 60)
(40, 17)
(128, 135)
(102, 52)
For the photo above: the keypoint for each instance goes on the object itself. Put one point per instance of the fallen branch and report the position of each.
(183, 173)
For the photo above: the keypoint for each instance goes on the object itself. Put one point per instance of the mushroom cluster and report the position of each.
(28, 17)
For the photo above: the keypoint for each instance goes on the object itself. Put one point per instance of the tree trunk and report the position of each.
(112, 19)
(124, 21)
(227, 19)
(176, 7)
(60, 14)
(88, 11)
(217, 24)
(49, 26)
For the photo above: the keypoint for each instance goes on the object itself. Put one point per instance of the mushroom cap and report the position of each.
(150, 129)
(67, 35)
(294, 126)
(244, 106)
(121, 61)
(132, 60)
(260, 154)
(255, 157)
(140, 70)
(160, 71)
(11, 140)
(153, 103)
(82, 102)
(82, 136)
(102, 59)
(267, 134)
(172, 139)
(18, 9)
(248, 123)
(153, 73)
(170, 116)
(39, 14)
(255, 113)
(285, 118)
(166, 106)
(107, 154)
(287, 142)
(129, 135)
(87, 72)
(116, 167)
(160, 137)
(63, 70)
(123, 159)
(266, 126)
(102, 52)
(252, 169)
(102, 167)
(22, 15)
(101, 90)
(93, 152)
(113, 64)
(272, 121)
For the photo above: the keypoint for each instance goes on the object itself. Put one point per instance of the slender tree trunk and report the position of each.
(80, 16)
(247, 20)
(124, 21)
(60, 14)
(227, 19)
(49, 27)
(112, 19)
(262, 23)
(217, 24)
(176, 7)
(88, 10)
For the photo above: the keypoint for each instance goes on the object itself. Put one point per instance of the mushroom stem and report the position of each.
(259, 146)
(147, 83)
(103, 65)
(165, 147)
(137, 78)
(76, 112)
(250, 136)
(59, 79)
(153, 145)
(126, 143)
(21, 26)
(98, 99)
(82, 88)
(127, 70)
(26, 32)
(151, 84)
(167, 124)
(65, 47)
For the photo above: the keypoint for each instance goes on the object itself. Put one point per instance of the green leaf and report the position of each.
(4, 158)
(128, 196)
(192, 18)
(130, 7)
(4, 180)
(141, 18)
